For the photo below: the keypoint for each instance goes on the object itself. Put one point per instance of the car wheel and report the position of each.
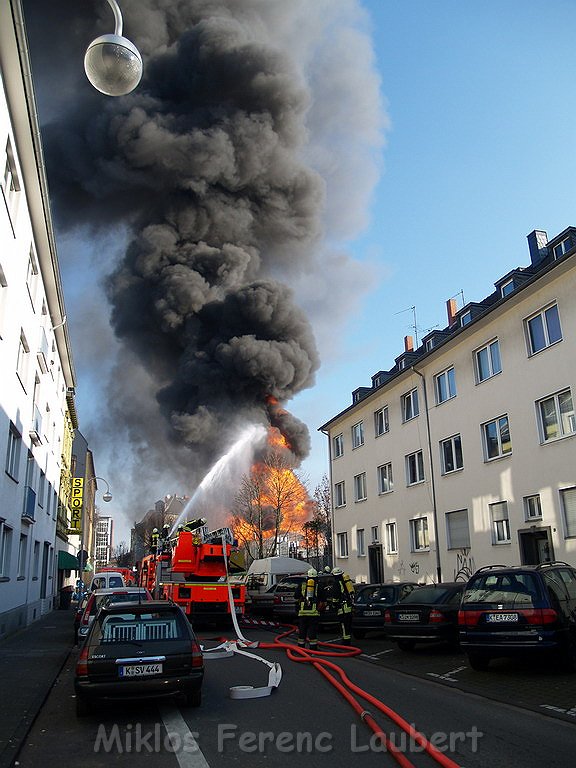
(193, 699)
(83, 706)
(478, 661)
(359, 634)
(406, 645)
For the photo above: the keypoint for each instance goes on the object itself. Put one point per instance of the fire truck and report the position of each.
(191, 570)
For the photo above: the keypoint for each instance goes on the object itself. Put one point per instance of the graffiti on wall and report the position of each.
(465, 566)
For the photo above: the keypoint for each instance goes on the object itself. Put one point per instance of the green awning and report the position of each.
(67, 562)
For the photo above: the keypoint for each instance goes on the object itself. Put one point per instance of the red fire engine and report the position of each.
(191, 569)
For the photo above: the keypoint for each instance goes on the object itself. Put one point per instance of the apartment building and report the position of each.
(104, 542)
(37, 414)
(463, 454)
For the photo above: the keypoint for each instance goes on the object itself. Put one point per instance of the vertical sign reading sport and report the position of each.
(76, 499)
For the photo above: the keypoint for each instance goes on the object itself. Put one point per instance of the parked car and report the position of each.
(284, 606)
(98, 597)
(78, 615)
(511, 610)
(136, 651)
(427, 614)
(371, 602)
(107, 580)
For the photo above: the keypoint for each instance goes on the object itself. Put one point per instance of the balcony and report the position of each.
(29, 511)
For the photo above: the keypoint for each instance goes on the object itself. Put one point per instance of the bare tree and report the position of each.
(122, 555)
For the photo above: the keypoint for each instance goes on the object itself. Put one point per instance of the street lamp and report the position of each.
(112, 63)
(107, 496)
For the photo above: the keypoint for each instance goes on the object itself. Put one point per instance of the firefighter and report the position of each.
(154, 541)
(193, 525)
(308, 603)
(345, 602)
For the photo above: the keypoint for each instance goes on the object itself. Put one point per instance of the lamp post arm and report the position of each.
(117, 17)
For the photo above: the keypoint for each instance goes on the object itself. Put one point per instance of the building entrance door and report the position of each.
(375, 564)
(536, 546)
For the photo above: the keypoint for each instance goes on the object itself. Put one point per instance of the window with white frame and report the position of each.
(568, 499)
(414, 468)
(358, 434)
(23, 360)
(457, 530)
(13, 452)
(41, 488)
(445, 385)
(374, 534)
(360, 542)
(562, 248)
(360, 487)
(3, 300)
(496, 434)
(22, 550)
(36, 560)
(451, 454)
(543, 329)
(342, 544)
(419, 534)
(10, 182)
(410, 407)
(381, 423)
(532, 507)
(385, 479)
(500, 522)
(391, 539)
(340, 494)
(338, 443)
(507, 288)
(5, 549)
(556, 416)
(487, 361)
(465, 318)
(32, 275)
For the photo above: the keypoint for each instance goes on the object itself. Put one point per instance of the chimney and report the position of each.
(537, 242)
(451, 309)
(408, 344)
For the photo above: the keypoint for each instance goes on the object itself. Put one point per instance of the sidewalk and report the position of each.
(30, 661)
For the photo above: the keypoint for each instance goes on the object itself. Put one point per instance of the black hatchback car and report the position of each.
(511, 610)
(428, 614)
(371, 602)
(136, 651)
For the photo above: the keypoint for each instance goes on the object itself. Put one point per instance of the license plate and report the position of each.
(495, 618)
(408, 617)
(141, 670)
(372, 613)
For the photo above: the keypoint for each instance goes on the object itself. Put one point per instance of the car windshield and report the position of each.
(502, 588)
(376, 595)
(429, 595)
(140, 627)
(123, 597)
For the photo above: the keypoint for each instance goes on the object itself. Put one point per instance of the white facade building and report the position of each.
(35, 357)
(464, 453)
(103, 542)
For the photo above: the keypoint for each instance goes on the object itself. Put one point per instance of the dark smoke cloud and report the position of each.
(203, 172)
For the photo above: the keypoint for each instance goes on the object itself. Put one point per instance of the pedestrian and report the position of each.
(308, 602)
(345, 597)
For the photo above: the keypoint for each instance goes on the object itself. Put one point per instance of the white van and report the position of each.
(107, 580)
(265, 573)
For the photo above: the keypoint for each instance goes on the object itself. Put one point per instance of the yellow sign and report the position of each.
(76, 500)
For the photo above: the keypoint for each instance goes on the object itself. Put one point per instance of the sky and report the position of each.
(441, 134)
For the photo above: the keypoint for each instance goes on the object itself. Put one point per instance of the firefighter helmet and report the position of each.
(337, 571)
(312, 572)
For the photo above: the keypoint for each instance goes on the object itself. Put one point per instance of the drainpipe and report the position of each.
(432, 481)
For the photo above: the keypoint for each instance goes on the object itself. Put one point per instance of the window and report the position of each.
(507, 288)
(13, 452)
(500, 523)
(451, 454)
(496, 438)
(41, 489)
(465, 318)
(562, 248)
(543, 329)
(556, 416)
(385, 481)
(5, 549)
(375, 537)
(445, 385)
(10, 182)
(342, 544)
(568, 498)
(32, 275)
(410, 407)
(358, 434)
(414, 468)
(419, 534)
(391, 539)
(457, 530)
(340, 494)
(22, 361)
(532, 507)
(360, 487)
(338, 443)
(381, 424)
(360, 542)
(488, 362)
(22, 549)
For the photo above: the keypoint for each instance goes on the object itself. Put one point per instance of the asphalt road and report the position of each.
(304, 719)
